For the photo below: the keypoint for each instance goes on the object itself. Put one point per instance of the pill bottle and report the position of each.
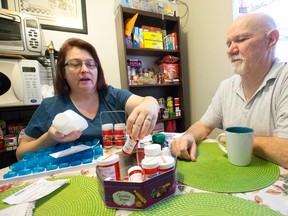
(129, 146)
(152, 150)
(158, 138)
(166, 163)
(176, 101)
(107, 135)
(119, 135)
(108, 166)
(150, 168)
(135, 174)
(69, 121)
(140, 152)
(165, 151)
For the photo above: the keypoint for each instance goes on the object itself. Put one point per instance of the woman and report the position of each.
(81, 87)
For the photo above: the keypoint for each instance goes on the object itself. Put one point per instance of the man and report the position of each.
(256, 96)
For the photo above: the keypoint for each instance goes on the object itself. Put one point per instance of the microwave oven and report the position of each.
(20, 34)
(21, 82)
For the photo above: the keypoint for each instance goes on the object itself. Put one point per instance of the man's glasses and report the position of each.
(77, 63)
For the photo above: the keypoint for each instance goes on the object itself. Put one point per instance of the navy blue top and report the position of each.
(111, 99)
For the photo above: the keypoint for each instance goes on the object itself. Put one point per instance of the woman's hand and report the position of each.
(143, 116)
(59, 137)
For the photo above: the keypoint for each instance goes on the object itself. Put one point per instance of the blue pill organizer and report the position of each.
(63, 157)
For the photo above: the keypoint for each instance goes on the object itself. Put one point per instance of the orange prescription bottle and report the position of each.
(166, 163)
(108, 166)
(152, 150)
(119, 135)
(107, 134)
(129, 146)
(135, 174)
(150, 167)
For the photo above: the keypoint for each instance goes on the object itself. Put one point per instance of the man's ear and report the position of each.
(273, 37)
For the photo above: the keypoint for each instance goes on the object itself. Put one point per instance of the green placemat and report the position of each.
(206, 204)
(213, 172)
(78, 197)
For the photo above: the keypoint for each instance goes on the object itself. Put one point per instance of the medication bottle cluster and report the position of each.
(154, 163)
(42, 161)
(113, 135)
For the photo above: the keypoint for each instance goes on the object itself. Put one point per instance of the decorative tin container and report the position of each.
(136, 195)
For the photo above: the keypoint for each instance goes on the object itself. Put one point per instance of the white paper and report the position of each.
(170, 136)
(71, 150)
(23, 209)
(34, 191)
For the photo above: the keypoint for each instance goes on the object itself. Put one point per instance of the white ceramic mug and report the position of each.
(239, 144)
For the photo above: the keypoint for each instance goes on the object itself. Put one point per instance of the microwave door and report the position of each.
(5, 84)
(18, 83)
(8, 96)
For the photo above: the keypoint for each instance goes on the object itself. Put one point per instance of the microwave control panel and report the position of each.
(31, 83)
(31, 88)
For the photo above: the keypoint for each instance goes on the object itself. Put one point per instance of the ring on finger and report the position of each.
(148, 118)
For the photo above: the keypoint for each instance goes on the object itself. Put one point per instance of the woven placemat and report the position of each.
(206, 204)
(77, 197)
(213, 172)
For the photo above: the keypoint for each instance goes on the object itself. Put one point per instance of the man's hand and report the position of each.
(185, 147)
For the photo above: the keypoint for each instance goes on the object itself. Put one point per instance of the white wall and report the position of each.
(101, 34)
(204, 55)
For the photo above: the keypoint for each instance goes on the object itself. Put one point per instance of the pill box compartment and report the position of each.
(136, 195)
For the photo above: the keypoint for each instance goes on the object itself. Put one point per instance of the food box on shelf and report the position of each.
(153, 44)
(147, 35)
(135, 195)
(170, 73)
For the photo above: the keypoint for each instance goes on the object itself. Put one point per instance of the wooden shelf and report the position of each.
(148, 56)
(155, 85)
(149, 51)
(131, 12)
(18, 108)
(169, 119)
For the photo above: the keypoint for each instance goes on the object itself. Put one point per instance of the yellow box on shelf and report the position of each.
(147, 35)
(153, 44)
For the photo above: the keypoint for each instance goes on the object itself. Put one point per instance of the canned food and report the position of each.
(165, 113)
(161, 102)
(169, 102)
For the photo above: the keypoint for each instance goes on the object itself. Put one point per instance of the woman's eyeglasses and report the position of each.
(77, 63)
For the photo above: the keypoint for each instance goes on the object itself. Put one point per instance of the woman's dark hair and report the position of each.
(62, 86)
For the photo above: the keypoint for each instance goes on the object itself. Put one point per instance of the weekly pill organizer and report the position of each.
(57, 159)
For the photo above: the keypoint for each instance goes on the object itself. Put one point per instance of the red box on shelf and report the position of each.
(170, 73)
